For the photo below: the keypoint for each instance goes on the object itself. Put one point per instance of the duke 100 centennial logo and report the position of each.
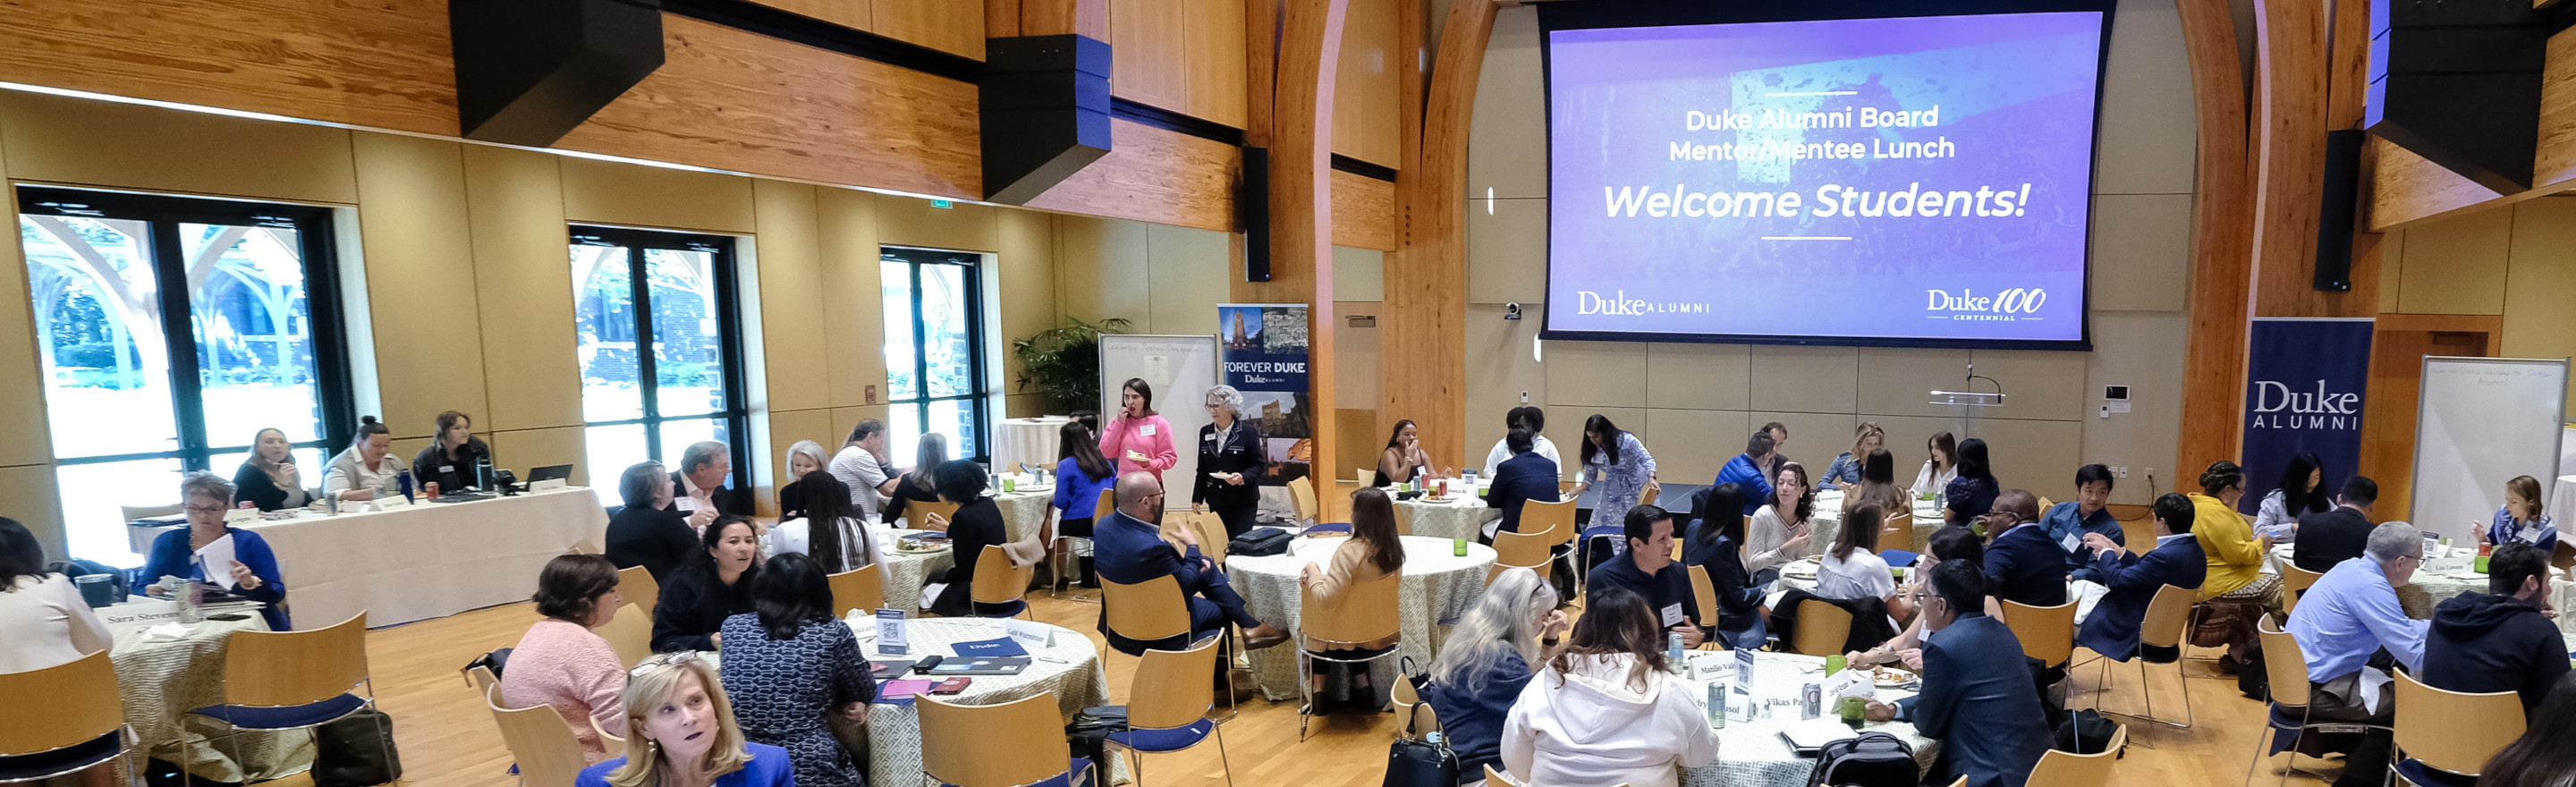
(2010, 305)
(1618, 303)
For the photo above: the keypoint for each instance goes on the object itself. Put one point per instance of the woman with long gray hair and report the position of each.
(1230, 463)
(1486, 661)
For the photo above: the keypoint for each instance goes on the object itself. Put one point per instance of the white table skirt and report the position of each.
(894, 731)
(427, 560)
(1437, 586)
(162, 679)
(1752, 753)
(1464, 517)
(1033, 441)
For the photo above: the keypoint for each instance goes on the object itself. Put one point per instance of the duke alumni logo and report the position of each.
(1618, 303)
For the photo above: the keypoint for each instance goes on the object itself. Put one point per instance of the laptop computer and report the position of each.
(548, 477)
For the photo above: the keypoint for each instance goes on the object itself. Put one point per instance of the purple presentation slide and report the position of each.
(1923, 178)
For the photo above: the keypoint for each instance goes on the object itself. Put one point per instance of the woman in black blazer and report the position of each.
(1231, 446)
(269, 478)
(645, 532)
(978, 524)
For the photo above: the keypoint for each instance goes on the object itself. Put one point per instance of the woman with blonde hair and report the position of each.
(681, 733)
(1846, 469)
(2520, 520)
(806, 456)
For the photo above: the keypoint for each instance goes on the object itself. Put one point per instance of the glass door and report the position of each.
(934, 346)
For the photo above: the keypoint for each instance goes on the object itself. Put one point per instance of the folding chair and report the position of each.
(2451, 732)
(292, 680)
(547, 753)
(1366, 614)
(81, 726)
(861, 588)
(1014, 744)
(997, 583)
(1167, 705)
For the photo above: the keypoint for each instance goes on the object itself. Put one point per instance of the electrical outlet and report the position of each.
(872, 394)
(2119, 471)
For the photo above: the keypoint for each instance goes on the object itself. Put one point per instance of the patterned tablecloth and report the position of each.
(2430, 587)
(1801, 574)
(905, 572)
(1828, 521)
(1070, 668)
(1463, 517)
(1438, 587)
(161, 679)
(1753, 753)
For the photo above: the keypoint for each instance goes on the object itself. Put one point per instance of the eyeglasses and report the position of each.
(662, 660)
(208, 510)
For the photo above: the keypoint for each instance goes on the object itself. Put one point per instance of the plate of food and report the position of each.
(1804, 568)
(912, 545)
(1892, 678)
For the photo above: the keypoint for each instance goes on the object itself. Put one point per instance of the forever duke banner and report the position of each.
(2304, 388)
(1263, 352)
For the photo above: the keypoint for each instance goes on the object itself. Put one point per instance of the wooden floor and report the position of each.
(446, 738)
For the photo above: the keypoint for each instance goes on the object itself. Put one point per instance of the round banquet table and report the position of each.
(1753, 753)
(1070, 668)
(1034, 441)
(2429, 588)
(904, 572)
(1462, 517)
(1438, 587)
(1801, 575)
(161, 679)
(1828, 523)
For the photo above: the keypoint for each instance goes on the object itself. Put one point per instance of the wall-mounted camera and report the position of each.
(1511, 311)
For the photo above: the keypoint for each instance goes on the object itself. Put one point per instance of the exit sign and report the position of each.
(942, 204)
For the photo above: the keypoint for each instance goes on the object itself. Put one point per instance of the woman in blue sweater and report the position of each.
(253, 569)
(1485, 663)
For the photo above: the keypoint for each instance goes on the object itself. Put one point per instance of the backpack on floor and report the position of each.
(1873, 759)
(1089, 733)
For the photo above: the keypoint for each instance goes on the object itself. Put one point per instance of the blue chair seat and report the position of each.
(1074, 775)
(2416, 771)
(2285, 727)
(29, 767)
(1009, 610)
(286, 718)
(1174, 739)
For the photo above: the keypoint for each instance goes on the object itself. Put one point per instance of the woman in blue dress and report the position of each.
(1617, 464)
(790, 664)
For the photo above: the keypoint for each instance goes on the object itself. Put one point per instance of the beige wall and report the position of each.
(439, 229)
(1694, 404)
(2519, 262)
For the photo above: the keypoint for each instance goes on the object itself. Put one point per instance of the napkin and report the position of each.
(166, 632)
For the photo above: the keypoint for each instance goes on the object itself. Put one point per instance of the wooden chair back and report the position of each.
(481, 678)
(1410, 711)
(79, 700)
(1822, 628)
(1895, 532)
(1704, 590)
(630, 633)
(1652, 491)
(1557, 516)
(2046, 633)
(2564, 557)
(2285, 666)
(547, 753)
(2295, 582)
(607, 742)
(1523, 550)
(2044, 505)
(859, 588)
(2169, 617)
(582, 547)
(1005, 745)
(1367, 612)
(2451, 730)
(1213, 538)
(639, 587)
(145, 512)
(1364, 476)
(1104, 506)
(1962, 782)
(1301, 495)
(2064, 767)
(996, 580)
(1403, 519)
(276, 669)
(918, 515)
(1146, 611)
(1170, 689)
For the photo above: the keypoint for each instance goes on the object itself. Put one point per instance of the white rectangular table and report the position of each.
(426, 560)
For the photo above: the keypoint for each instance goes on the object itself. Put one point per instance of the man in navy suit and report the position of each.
(2027, 567)
(1524, 477)
(1128, 548)
(1974, 684)
(2134, 579)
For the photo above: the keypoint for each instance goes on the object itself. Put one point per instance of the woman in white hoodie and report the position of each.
(1606, 711)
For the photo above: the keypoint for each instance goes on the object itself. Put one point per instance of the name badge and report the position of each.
(1208, 438)
(1146, 430)
(446, 468)
(2072, 542)
(1672, 615)
(2530, 535)
(685, 505)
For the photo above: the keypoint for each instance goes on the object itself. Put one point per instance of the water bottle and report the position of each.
(403, 480)
(1675, 654)
(483, 472)
(1717, 704)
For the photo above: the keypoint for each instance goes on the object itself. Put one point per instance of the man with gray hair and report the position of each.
(2351, 628)
(699, 484)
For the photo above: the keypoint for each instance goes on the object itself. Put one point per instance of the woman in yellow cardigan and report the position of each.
(2235, 553)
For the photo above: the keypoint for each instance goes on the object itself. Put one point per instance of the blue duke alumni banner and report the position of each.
(2304, 388)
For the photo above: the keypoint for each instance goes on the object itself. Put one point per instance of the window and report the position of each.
(170, 332)
(678, 289)
(934, 346)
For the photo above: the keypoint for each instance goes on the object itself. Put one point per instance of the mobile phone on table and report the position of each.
(952, 685)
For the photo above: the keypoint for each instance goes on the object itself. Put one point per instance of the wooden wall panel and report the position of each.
(523, 286)
(1363, 212)
(1365, 115)
(22, 396)
(952, 26)
(420, 273)
(1148, 58)
(852, 14)
(2411, 190)
(608, 192)
(378, 64)
(72, 140)
(2290, 95)
(789, 263)
(853, 319)
(2222, 253)
(1150, 174)
(741, 102)
(1301, 194)
(1212, 45)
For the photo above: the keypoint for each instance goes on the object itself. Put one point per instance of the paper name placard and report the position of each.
(1739, 697)
(1033, 634)
(240, 516)
(139, 613)
(890, 639)
(547, 485)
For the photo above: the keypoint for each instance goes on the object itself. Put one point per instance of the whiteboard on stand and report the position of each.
(1180, 369)
(2479, 423)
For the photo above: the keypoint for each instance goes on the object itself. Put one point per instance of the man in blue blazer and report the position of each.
(1128, 548)
(2134, 579)
(2026, 566)
(1975, 685)
(1524, 477)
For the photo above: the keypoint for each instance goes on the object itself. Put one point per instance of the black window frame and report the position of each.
(736, 415)
(317, 240)
(919, 398)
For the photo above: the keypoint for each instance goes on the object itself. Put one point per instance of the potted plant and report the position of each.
(1064, 362)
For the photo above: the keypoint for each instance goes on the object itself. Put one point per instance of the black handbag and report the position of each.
(1423, 763)
(1873, 759)
(1088, 735)
(1259, 542)
(494, 661)
(356, 751)
(2085, 732)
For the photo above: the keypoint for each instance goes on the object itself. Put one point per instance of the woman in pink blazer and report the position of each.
(1137, 438)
